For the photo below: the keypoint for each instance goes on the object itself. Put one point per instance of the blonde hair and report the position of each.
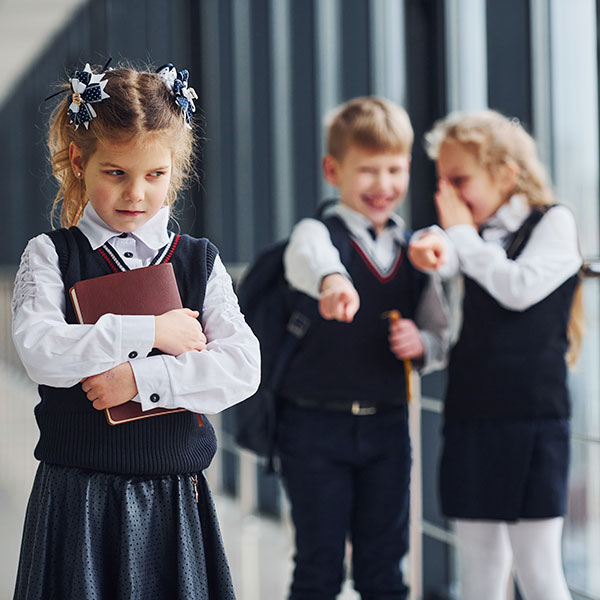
(369, 122)
(140, 106)
(495, 140)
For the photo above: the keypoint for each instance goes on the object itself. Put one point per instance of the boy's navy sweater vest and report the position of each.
(510, 364)
(343, 363)
(73, 433)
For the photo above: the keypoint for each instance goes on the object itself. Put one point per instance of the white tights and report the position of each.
(532, 548)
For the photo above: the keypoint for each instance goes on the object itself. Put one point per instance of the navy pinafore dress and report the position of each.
(506, 425)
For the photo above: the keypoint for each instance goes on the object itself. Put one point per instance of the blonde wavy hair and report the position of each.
(140, 107)
(495, 140)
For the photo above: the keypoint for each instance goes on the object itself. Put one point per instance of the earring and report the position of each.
(78, 174)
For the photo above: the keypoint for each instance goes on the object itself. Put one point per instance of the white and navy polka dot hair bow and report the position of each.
(88, 88)
(177, 83)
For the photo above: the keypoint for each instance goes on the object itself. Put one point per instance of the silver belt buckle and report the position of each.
(357, 409)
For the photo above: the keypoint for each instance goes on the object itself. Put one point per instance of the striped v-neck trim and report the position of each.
(383, 275)
(116, 263)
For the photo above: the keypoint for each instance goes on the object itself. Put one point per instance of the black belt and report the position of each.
(356, 408)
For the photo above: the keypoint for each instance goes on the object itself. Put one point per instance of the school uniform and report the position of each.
(343, 438)
(125, 511)
(506, 418)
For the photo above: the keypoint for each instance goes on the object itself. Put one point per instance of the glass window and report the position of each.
(581, 549)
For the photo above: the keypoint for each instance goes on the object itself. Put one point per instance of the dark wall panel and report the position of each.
(261, 117)
(356, 80)
(305, 144)
(509, 69)
(436, 570)
(430, 455)
(426, 98)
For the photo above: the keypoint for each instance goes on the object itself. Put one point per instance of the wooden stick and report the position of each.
(394, 316)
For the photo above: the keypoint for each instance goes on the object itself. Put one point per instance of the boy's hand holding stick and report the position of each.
(394, 316)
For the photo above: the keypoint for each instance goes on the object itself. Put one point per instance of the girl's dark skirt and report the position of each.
(98, 536)
(505, 471)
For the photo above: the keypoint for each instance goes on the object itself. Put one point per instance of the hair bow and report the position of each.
(177, 83)
(88, 88)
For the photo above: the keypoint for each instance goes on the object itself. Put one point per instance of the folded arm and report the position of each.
(226, 372)
(54, 352)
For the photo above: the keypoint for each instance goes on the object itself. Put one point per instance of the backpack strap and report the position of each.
(338, 232)
(304, 309)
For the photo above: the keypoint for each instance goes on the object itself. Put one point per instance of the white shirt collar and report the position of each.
(357, 222)
(153, 233)
(510, 216)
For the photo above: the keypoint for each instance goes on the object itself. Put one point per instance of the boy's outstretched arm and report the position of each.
(313, 266)
(339, 299)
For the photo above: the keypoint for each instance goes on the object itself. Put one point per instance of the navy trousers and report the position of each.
(346, 477)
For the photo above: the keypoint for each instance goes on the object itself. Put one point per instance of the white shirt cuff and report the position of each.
(137, 336)
(152, 380)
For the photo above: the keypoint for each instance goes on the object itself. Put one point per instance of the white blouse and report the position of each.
(59, 354)
(550, 257)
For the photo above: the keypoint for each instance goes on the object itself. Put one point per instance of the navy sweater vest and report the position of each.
(73, 433)
(510, 364)
(347, 362)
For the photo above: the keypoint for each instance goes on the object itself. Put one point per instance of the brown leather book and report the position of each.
(146, 291)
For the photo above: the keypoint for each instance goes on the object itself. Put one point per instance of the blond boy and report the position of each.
(343, 439)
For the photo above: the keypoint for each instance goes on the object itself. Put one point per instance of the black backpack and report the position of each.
(280, 318)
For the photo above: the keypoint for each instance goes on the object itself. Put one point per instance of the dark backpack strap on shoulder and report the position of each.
(339, 236)
(517, 242)
(304, 309)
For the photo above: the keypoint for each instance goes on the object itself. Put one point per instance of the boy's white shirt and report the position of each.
(58, 354)
(550, 257)
(310, 255)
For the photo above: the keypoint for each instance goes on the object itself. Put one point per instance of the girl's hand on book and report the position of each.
(111, 388)
(178, 331)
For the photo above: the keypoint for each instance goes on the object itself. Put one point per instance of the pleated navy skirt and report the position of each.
(505, 471)
(98, 536)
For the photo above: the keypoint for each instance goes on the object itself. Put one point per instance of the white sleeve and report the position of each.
(309, 256)
(225, 373)
(550, 257)
(57, 353)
